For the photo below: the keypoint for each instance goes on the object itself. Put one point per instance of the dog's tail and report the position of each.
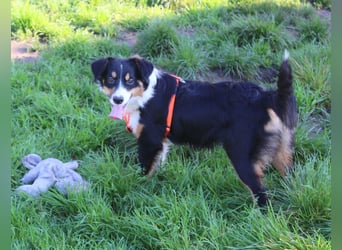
(285, 100)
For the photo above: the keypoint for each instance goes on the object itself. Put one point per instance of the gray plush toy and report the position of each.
(50, 172)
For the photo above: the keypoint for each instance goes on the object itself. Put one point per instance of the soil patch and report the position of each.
(326, 16)
(23, 51)
(127, 37)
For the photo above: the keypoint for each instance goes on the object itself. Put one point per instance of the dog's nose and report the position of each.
(118, 99)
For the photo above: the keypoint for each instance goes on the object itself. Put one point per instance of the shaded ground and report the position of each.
(127, 37)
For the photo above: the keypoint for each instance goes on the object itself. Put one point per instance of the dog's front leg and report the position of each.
(150, 149)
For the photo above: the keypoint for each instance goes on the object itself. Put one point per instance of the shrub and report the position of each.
(29, 21)
(187, 60)
(159, 38)
(235, 62)
(256, 28)
(98, 21)
(315, 30)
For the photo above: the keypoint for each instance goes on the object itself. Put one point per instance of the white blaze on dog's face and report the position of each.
(128, 83)
(121, 83)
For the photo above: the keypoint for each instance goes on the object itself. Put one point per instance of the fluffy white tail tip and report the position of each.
(286, 55)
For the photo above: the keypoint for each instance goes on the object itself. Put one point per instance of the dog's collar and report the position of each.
(171, 108)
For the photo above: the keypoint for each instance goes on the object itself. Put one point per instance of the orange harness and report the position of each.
(126, 116)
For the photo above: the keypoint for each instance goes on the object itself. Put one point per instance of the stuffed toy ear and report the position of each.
(144, 68)
(99, 67)
(30, 161)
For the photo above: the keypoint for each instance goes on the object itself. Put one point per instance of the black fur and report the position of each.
(254, 126)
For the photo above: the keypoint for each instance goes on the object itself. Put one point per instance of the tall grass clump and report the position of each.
(311, 66)
(187, 60)
(253, 29)
(83, 48)
(28, 21)
(235, 62)
(171, 4)
(314, 31)
(95, 19)
(137, 15)
(159, 38)
(313, 134)
(313, 203)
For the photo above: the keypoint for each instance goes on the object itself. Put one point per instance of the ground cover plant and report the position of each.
(196, 201)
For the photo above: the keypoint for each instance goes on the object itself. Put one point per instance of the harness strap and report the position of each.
(126, 118)
(171, 107)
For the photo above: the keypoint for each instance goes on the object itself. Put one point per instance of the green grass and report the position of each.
(159, 38)
(196, 200)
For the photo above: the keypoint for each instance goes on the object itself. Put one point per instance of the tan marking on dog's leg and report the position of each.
(160, 158)
(166, 145)
(259, 169)
(154, 165)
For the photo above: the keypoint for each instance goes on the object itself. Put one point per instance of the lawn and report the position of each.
(196, 200)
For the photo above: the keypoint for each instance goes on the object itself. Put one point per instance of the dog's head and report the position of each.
(123, 79)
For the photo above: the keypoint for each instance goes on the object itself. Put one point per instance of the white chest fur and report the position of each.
(134, 122)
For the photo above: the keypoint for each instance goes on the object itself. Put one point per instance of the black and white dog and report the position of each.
(254, 126)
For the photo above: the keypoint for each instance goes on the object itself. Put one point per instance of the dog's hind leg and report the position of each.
(250, 176)
(253, 181)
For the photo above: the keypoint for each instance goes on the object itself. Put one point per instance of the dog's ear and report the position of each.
(98, 68)
(144, 68)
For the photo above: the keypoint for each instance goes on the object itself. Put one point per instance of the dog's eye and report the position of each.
(110, 80)
(130, 81)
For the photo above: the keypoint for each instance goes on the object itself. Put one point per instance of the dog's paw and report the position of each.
(262, 199)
